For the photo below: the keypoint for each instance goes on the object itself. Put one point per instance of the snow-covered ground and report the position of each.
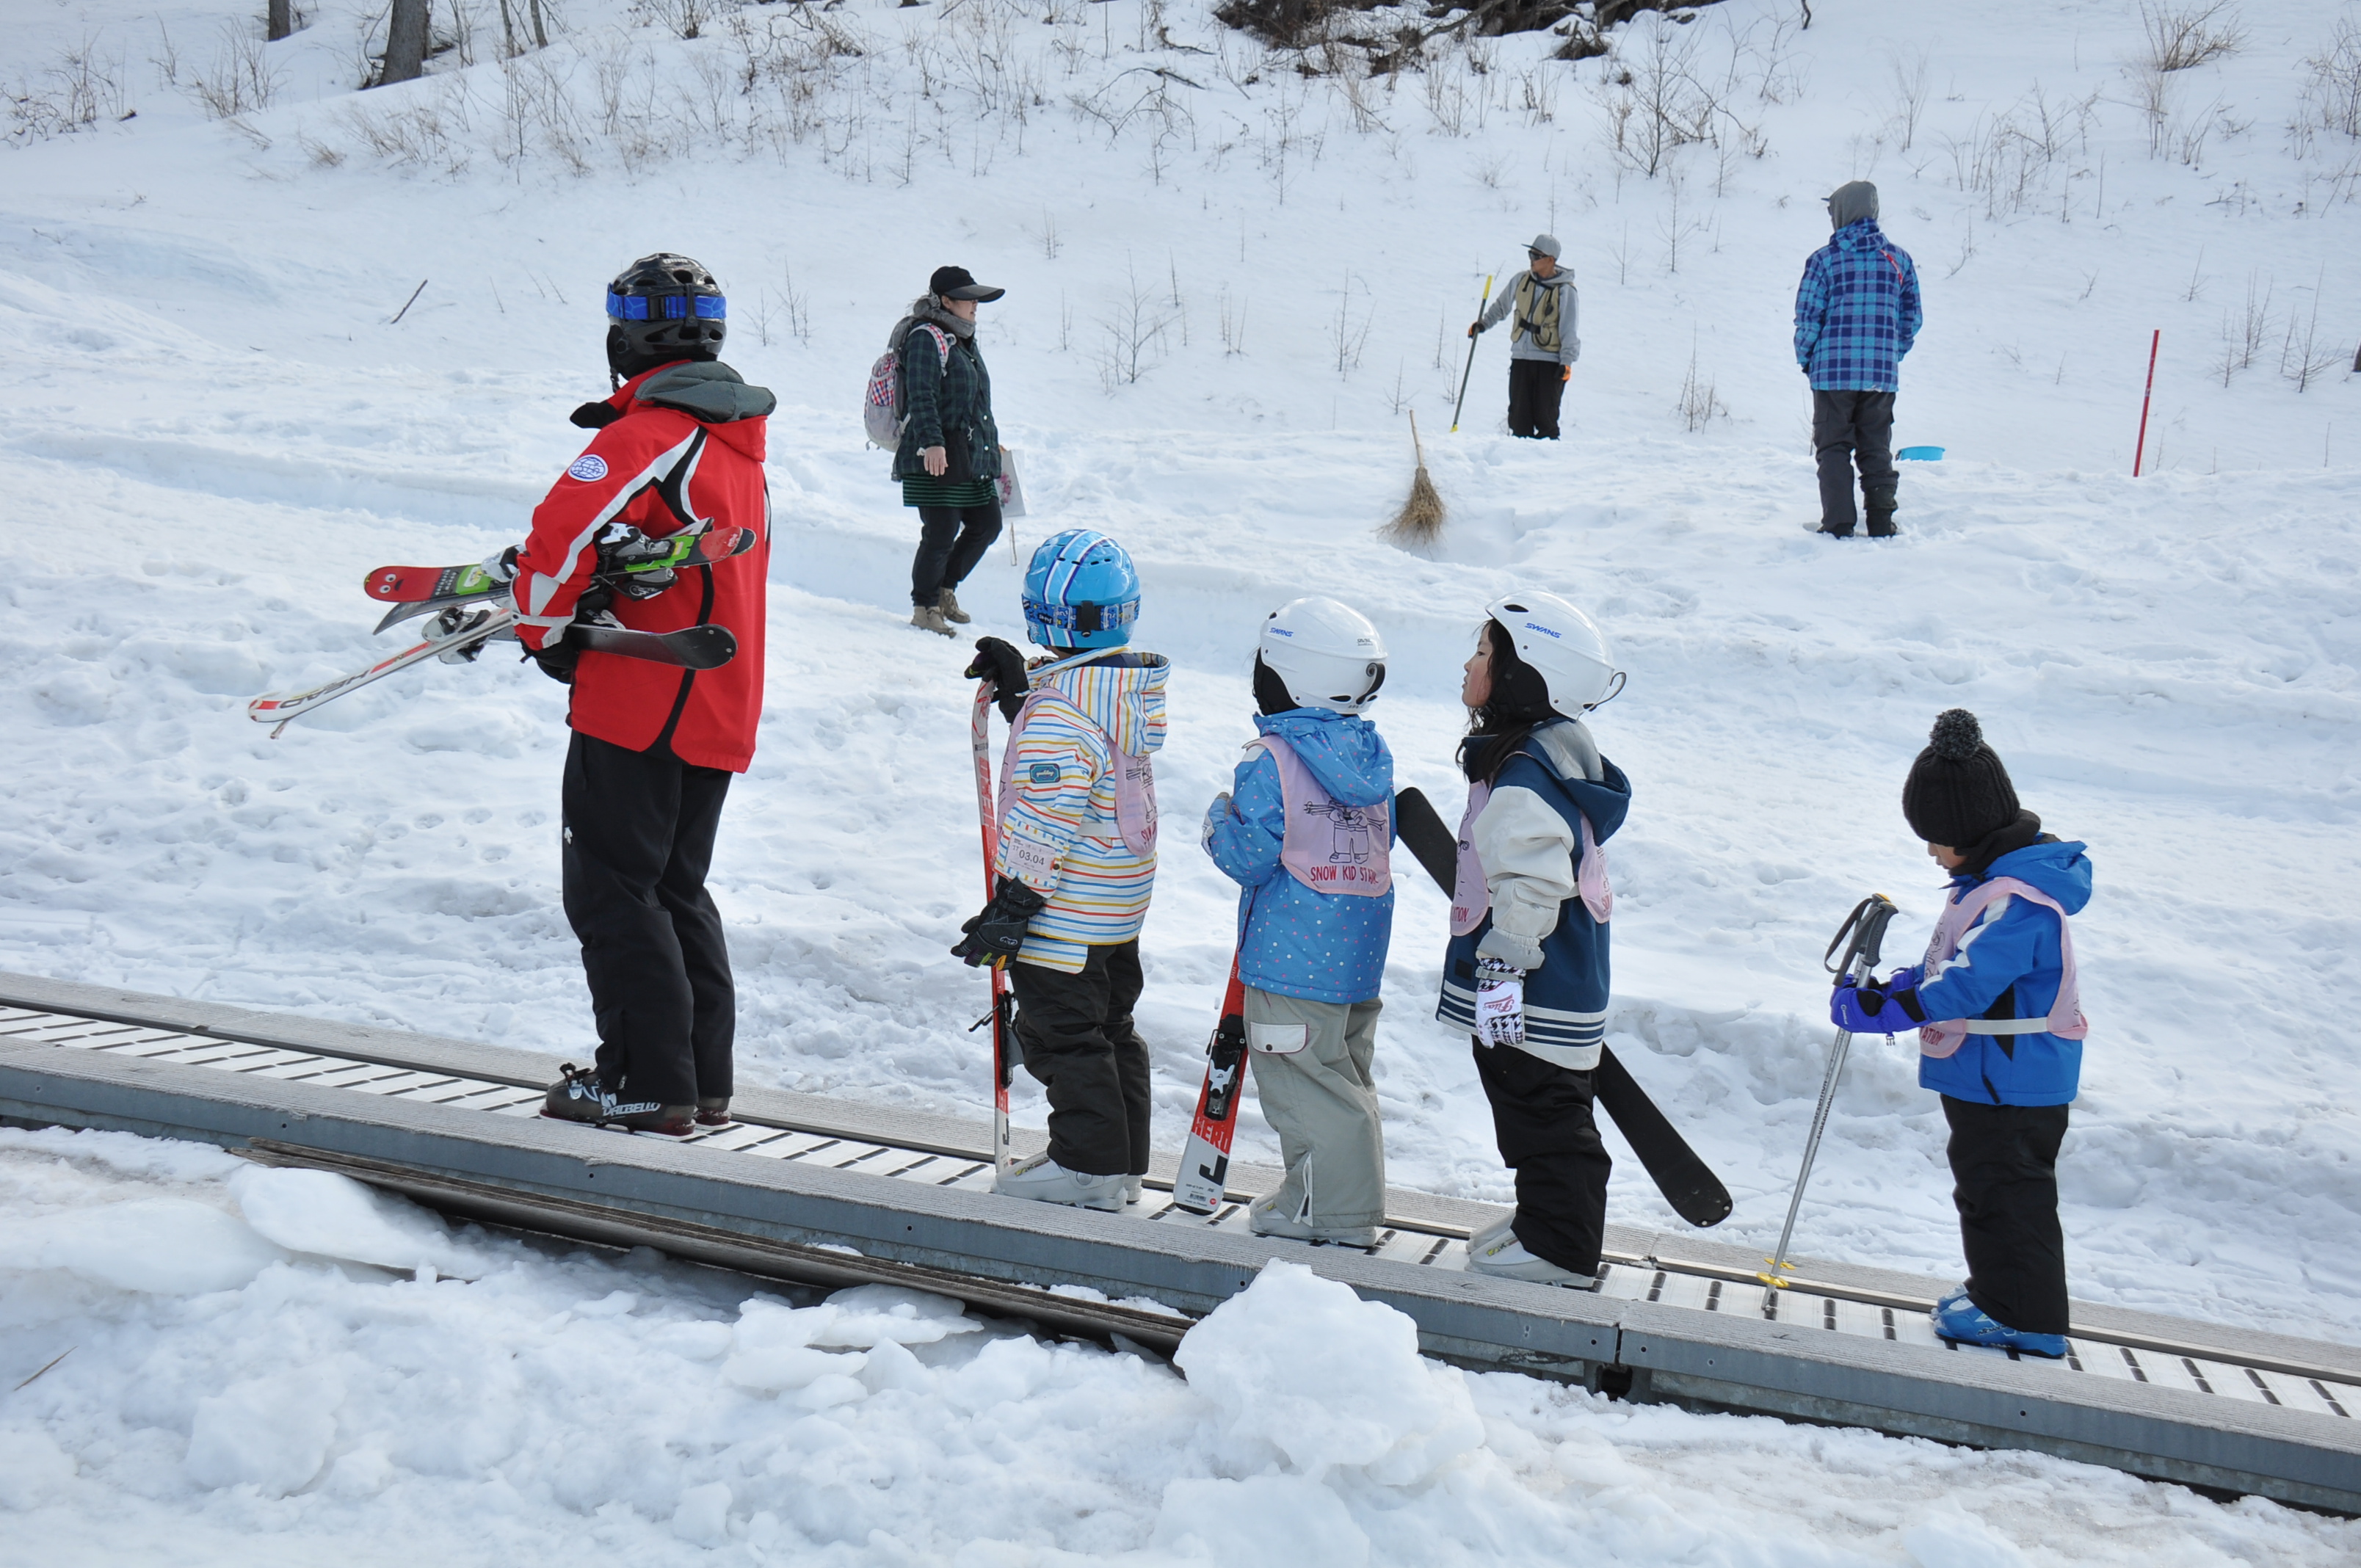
(213, 427)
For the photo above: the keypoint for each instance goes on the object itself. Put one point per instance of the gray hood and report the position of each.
(1851, 203)
(707, 391)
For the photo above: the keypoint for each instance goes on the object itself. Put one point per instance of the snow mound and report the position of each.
(328, 1215)
(165, 1247)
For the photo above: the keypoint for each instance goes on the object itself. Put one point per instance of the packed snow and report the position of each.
(215, 426)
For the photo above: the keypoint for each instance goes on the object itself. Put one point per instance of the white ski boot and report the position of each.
(1505, 1257)
(1044, 1181)
(1133, 1187)
(1491, 1233)
(1265, 1220)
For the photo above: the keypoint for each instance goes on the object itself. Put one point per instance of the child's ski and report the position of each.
(631, 554)
(690, 648)
(1688, 1183)
(1004, 1064)
(1205, 1158)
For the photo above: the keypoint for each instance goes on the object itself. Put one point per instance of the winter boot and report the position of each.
(1133, 1187)
(713, 1112)
(1879, 506)
(926, 617)
(1044, 1181)
(949, 605)
(578, 1096)
(1504, 1257)
(1966, 1324)
(1491, 1233)
(1264, 1219)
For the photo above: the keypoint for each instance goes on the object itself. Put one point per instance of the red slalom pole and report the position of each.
(2139, 451)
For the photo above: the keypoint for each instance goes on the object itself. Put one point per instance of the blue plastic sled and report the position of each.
(1920, 455)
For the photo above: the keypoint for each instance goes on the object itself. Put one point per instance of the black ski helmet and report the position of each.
(662, 308)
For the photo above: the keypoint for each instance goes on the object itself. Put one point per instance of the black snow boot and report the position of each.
(1880, 507)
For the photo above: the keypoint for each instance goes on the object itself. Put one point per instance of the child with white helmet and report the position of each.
(1076, 863)
(1527, 970)
(1306, 831)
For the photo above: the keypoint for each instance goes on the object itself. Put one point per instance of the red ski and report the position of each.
(628, 558)
(1200, 1185)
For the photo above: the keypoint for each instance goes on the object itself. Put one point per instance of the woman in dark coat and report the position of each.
(948, 459)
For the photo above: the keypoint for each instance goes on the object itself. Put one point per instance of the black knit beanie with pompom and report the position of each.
(1958, 792)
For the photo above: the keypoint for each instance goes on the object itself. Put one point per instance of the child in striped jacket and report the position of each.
(1075, 863)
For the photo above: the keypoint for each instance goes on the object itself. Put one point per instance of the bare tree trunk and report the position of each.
(281, 19)
(508, 32)
(405, 43)
(540, 33)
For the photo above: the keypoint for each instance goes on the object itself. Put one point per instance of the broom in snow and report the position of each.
(1421, 516)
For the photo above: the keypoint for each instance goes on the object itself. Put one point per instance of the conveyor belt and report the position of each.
(1838, 1308)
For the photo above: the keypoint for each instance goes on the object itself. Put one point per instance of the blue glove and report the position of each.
(1870, 1010)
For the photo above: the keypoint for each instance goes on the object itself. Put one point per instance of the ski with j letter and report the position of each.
(1201, 1183)
(1004, 1152)
(1688, 1183)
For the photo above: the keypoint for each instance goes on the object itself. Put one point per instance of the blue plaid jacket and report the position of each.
(1857, 312)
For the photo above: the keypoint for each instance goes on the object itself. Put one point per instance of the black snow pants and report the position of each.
(2004, 1184)
(639, 839)
(951, 539)
(1541, 1118)
(1849, 430)
(1535, 386)
(1075, 1031)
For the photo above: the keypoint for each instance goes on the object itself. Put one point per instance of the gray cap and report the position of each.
(1546, 245)
(1851, 203)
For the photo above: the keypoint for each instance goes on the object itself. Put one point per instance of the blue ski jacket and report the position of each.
(2008, 966)
(1857, 312)
(1293, 941)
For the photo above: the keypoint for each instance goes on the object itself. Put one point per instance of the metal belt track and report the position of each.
(1702, 1287)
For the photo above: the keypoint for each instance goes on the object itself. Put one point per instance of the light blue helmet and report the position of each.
(1081, 592)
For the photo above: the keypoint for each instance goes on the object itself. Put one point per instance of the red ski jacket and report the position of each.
(686, 443)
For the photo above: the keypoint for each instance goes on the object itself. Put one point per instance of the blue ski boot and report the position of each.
(1968, 1323)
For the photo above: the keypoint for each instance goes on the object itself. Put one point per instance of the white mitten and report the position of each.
(1215, 815)
(1500, 1004)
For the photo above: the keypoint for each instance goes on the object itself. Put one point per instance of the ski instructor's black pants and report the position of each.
(951, 539)
(1542, 1117)
(1849, 430)
(1075, 1031)
(639, 837)
(1535, 386)
(2004, 1176)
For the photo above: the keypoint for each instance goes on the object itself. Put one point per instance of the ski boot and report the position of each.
(713, 1112)
(1264, 1219)
(1957, 1293)
(948, 603)
(1133, 1188)
(578, 1096)
(1506, 1258)
(1491, 1233)
(1964, 1322)
(1878, 502)
(1044, 1181)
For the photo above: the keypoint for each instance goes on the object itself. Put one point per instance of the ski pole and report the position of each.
(1471, 355)
(2138, 451)
(1004, 1152)
(1862, 935)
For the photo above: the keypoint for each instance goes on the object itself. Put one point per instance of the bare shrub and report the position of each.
(1699, 405)
(81, 88)
(2188, 33)
(1908, 73)
(2332, 93)
(1131, 333)
(239, 79)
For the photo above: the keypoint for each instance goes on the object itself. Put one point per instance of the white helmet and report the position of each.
(1328, 653)
(1565, 645)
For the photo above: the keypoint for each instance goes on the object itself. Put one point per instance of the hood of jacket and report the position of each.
(1121, 692)
(1863, 236)
(2058, 869)
(1343, 751)
(1596, 786)
(1851, 203)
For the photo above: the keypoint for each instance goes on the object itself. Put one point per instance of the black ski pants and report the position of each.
(2004, 1184)
(1075, 1031)
(1541, 1118)
(1849, 430)
(951, 539)
(639, 839)
(1535, 386)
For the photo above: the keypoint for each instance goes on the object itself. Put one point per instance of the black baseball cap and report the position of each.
(959, 283)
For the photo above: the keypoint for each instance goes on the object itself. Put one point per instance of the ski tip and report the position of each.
(1704, 1209)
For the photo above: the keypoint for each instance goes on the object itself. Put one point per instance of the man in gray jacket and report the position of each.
(1543, 347)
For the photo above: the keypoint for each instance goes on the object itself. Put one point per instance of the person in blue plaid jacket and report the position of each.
(1856, 315)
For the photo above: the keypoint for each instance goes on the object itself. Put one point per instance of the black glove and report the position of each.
(994, 934)
(557, 659)
(595, 416)
(1003, 666)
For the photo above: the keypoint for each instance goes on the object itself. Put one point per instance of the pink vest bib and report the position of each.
(1135, 782)
(1471, 896)
(1330, 848)
(2065, 1020)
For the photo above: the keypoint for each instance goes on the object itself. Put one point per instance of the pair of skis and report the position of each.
(469, 610)
(1688, 1183)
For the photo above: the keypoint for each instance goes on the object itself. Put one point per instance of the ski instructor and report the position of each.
(680, 444)
(1544, 346)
